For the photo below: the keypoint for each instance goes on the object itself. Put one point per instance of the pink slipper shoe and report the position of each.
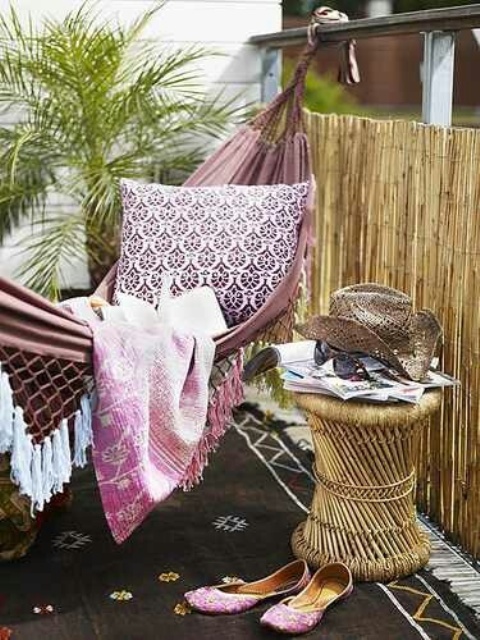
(239, 596)
(303, 612)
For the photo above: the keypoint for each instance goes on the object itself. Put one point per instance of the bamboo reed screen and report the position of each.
(398, 204)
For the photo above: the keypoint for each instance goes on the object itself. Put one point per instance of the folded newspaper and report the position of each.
(382, 384)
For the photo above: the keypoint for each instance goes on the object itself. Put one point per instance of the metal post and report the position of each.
(271, 73)
(437, 78)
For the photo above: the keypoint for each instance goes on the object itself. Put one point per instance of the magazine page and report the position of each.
(348, 390)
(374, 380)
(295, 383)
(323, 377)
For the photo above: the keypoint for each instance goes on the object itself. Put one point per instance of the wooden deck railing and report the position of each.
(438, 27)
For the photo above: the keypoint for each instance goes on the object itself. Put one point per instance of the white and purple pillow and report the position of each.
(239, 240)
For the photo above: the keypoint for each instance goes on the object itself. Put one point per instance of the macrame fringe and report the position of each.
(83, 432)
(21, 450)
(224, 399)
(6, 413)
(41, 470)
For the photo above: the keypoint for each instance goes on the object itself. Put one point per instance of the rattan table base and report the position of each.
(362, 510)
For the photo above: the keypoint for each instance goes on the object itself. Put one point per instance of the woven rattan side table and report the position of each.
(362, 510)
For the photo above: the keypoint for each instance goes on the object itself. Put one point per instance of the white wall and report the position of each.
(222, 25)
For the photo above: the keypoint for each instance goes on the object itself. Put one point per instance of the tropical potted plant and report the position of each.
(92, 102)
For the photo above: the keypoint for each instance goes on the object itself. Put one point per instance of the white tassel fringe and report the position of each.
(41, 470)
(83, 432)
(6, 413)
(48, 477)
(38, 499)
(22, 453)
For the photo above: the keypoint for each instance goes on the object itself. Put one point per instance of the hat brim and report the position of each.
(349, 335)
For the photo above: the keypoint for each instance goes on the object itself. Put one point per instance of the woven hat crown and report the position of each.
(379, 321)
(385, 311)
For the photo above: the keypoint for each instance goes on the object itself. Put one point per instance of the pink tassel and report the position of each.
(219, 415)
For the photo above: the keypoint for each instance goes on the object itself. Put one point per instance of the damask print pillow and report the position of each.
(239, 240)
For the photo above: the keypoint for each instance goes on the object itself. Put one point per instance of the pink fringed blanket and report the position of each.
(149, 421)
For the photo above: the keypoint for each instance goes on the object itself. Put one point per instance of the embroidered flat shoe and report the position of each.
(239, 596)
(302, 613)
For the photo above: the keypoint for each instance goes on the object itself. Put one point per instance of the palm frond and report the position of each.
(58, 241)
(18, 46)
(136, 29)
(26, 174)
(97, 102)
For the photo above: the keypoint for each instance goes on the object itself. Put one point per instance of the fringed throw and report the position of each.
(226, 393)
(149, 421)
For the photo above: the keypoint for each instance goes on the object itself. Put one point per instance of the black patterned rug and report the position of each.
(77, 584)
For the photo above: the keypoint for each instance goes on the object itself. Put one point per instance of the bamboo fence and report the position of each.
(397, 203)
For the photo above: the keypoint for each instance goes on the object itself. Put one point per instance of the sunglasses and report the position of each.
(345, 366)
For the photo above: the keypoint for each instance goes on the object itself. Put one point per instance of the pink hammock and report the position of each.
(46, 353)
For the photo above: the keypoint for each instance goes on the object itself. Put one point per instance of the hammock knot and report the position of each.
(348, 72)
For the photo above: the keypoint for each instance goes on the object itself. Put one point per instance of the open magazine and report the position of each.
(382, 384)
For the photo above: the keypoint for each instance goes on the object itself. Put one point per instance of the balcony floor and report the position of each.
(237, 522)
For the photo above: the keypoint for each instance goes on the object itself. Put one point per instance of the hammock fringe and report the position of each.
(41, 470)
(225, 397)
(21, 454)
(6, 412)
(83, 432)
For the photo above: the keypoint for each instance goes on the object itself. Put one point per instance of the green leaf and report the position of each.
(92, 101)
(56, 243)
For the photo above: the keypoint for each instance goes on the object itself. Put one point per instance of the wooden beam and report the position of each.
(449, 19)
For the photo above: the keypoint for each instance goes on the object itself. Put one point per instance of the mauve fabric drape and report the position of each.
(272, 149)
(35, 325)
(31, 323)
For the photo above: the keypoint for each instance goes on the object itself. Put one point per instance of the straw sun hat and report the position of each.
(378, 321)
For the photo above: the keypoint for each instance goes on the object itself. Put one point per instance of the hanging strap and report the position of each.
(283, 117)
(348, 72)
